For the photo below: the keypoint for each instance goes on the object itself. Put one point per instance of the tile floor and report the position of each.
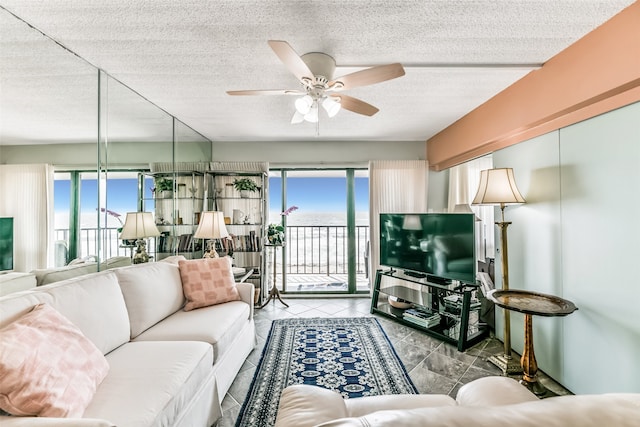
(434, 366)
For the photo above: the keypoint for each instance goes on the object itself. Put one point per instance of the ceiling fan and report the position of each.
(319, 87)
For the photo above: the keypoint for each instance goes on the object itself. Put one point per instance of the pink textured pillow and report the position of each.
(207, 281)
(48, 367)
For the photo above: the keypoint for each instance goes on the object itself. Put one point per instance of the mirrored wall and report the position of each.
(100, 138)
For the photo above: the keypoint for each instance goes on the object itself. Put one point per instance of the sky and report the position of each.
(326, 194)
(318, 194)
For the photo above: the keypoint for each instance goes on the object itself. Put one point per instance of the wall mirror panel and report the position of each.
(48, 115)
(134, 134)
(93, 142)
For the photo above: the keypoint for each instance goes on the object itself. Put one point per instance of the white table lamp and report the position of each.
(138, 226)
(211, 227)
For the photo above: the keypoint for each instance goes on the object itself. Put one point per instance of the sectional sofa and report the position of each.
(485, 402)
(164, 366)
(46, 276)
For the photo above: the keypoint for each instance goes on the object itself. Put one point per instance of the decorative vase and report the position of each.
(238, 216)
(166, 194)
(244, 194)
(228, 190)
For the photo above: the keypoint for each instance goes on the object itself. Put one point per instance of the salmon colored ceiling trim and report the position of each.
(598, 73)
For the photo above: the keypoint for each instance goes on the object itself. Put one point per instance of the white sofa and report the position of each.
(485, 402)
(11, 282)
(167, 366)
(45, 276)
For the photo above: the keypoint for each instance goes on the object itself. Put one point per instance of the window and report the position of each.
(328, 234)
(77, 213)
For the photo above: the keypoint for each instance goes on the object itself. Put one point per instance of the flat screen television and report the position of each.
(439, 246)
(6, 244)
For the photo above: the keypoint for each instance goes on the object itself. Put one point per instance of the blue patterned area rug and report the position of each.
(351, 356)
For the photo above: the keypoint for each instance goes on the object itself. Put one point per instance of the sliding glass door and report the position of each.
(325, 213)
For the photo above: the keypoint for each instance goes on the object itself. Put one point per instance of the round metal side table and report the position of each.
(531, 304)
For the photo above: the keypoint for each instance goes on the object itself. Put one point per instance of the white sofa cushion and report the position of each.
(361, 406)
(585, 411)
(8, 421)
(306, 406)
(217, 325)
(16, 282)
(93, 303)
(493, 391)
(46, 276)
(150, 383)
(152, 291)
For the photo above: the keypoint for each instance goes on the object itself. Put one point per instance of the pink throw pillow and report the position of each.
(207, 281)
(48, 368)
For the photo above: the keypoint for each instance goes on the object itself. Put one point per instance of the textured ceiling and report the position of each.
(184, 55)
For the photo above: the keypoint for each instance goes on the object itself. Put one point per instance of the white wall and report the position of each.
(438, 193)
(319, 152)
(121, 154)
(577, 237)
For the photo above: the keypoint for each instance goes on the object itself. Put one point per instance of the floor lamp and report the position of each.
(498, 187)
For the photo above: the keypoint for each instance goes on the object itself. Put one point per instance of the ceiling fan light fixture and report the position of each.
(315, 70)
(297, 118)
(312, 115)
(304, 104)
(331, 106)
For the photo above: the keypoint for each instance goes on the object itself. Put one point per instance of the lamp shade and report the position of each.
(497, 187)
(331, 106)
(211, 226)
(411, 222)
(139, 225)
(303, 105)
(312, 115)
(297, 118)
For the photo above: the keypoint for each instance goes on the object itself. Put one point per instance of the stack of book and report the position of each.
(421, 317)
(453, 302)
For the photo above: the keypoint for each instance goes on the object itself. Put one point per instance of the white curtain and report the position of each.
(178, 166)
(395, 186)
(26, 194)
(239, 166)
(463, 185)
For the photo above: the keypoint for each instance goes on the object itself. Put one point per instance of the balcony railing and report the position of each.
(317, 249)
(322, 249)
(88, 245)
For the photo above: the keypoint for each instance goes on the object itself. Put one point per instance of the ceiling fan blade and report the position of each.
(356, 105)
(368, 76)
(292, 60)
(266, 92)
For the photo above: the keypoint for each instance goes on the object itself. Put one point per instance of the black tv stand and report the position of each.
(414, 274)
(450, 313)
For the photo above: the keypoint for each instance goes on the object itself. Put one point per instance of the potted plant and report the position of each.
(164, 187)
(245, 186)
(275, 234)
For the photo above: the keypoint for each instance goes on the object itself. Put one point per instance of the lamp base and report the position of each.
(211, 251)
(507, 364)
(141, 256)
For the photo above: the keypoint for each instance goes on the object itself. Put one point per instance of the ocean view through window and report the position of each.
(317, 255)
(320, 246)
